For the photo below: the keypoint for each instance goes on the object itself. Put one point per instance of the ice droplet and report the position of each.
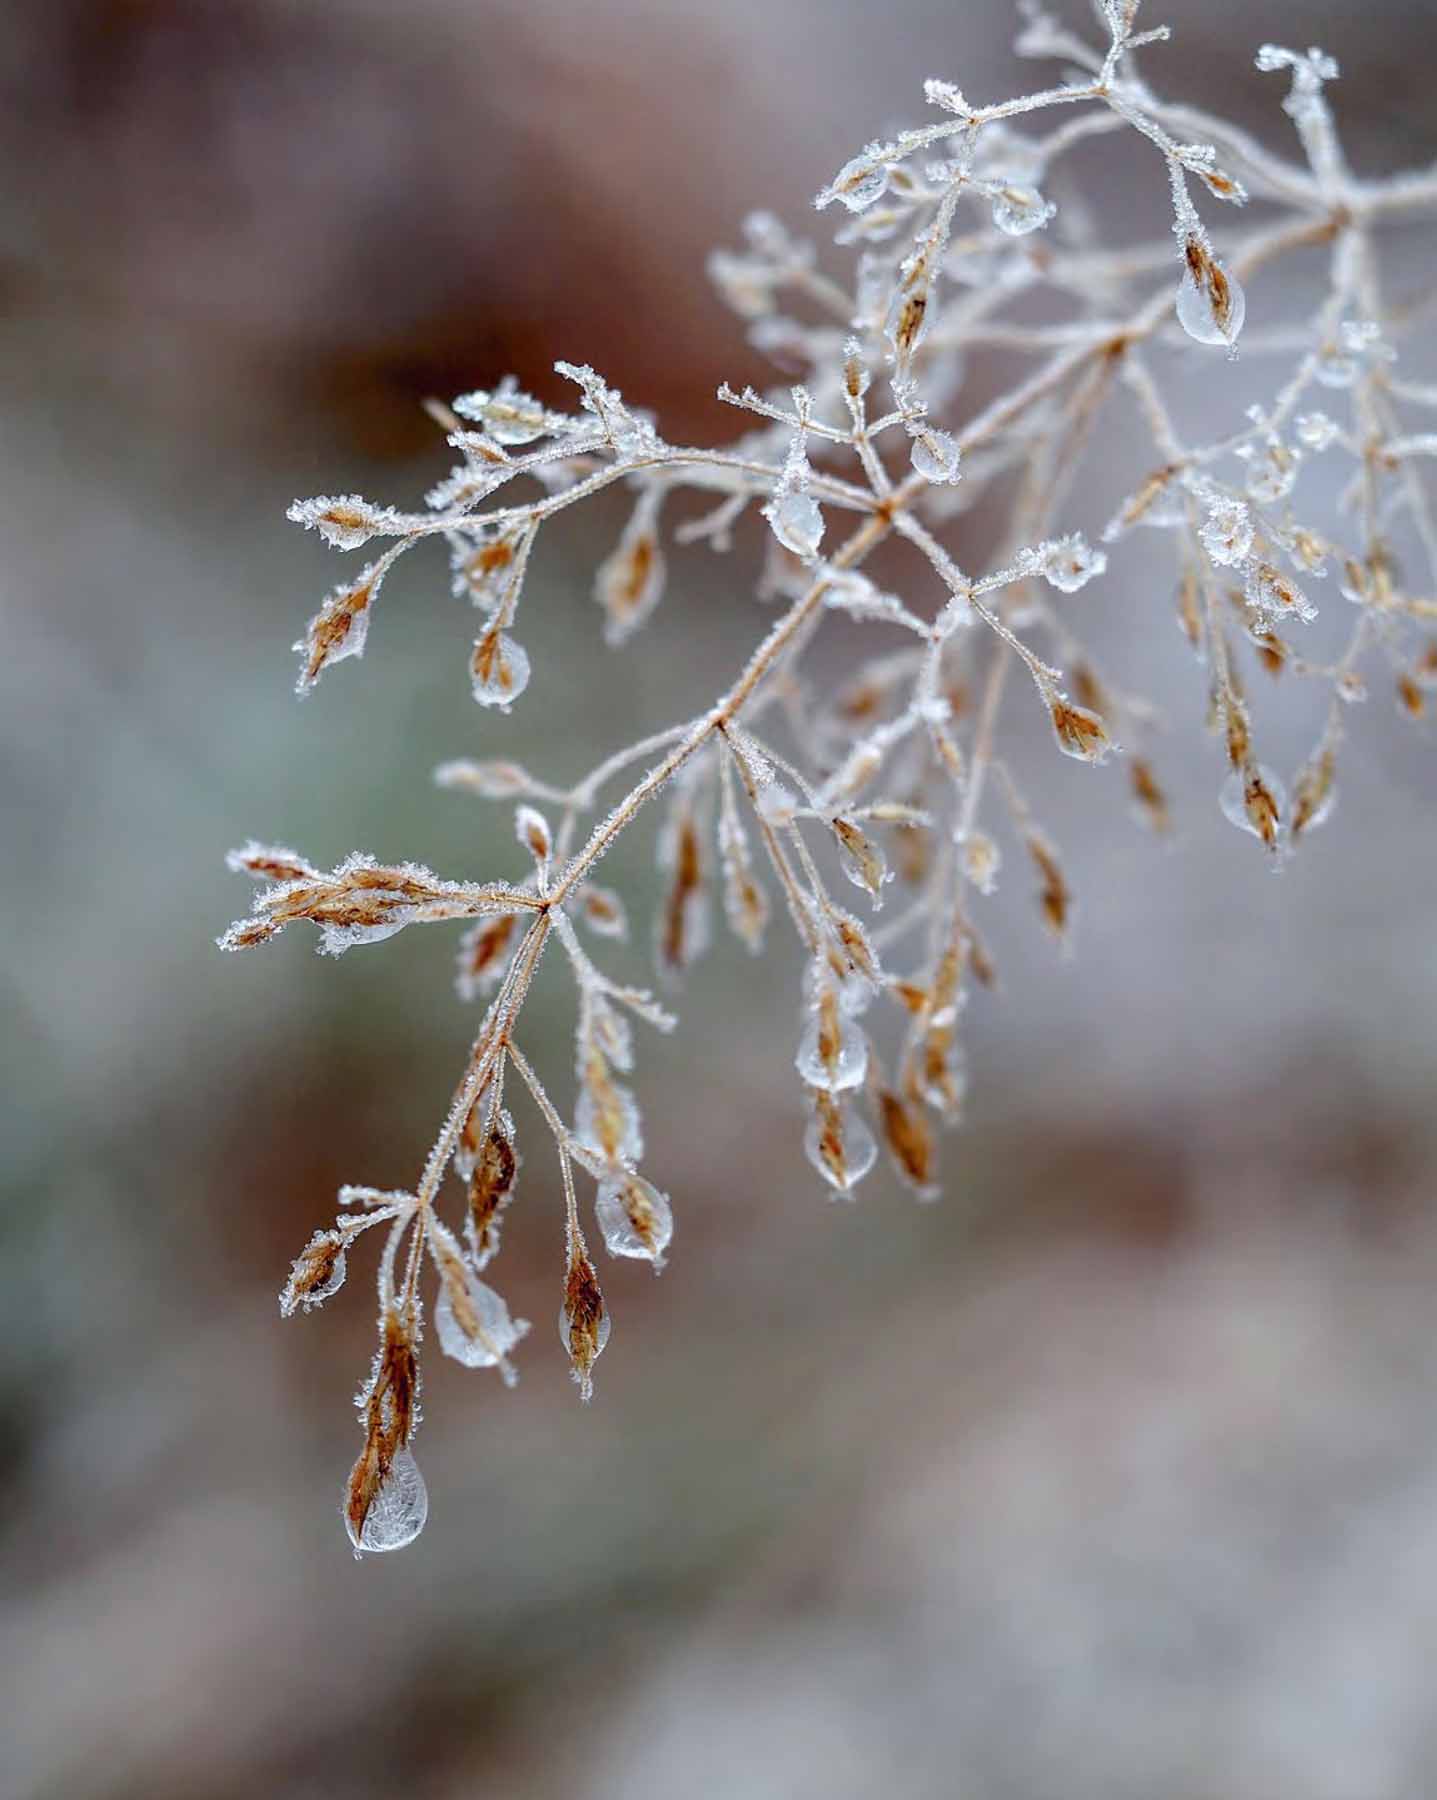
(797, 523)
(1240, 802)
(842, 1158)
(500, 670)
(936, 456)
(832, 1052)
(1227, 534)
(497, 1334)
(859, 183)
(1018, 210)
(1209, 317)
(1071, 563)
(635, 1218)
(397, 1512)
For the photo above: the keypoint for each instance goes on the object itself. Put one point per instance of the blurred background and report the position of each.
(1114, 1475)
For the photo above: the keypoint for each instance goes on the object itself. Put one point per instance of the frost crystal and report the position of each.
(1071, 563)
(1227, 535)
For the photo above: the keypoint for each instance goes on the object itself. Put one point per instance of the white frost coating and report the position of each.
(397, 1513)
(847, 1067)
(1227, 533)
(1070, 563)
(498, 1332)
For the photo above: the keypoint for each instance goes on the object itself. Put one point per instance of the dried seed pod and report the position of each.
(1211, 304)
(339, 628)
(1080, 733)
(471, 1321)
(1152, 804)
(910, 1142)
(1313, 793)
(602, 911)
(606, 1120)
(1055, 899)
(483, 956)
(630, 581)
(493, 1171)
(745, 899)
(317, 1273)
(584, 1322)
(863, 862)
(683, 918)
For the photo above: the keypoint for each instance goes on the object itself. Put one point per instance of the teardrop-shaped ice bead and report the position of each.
(844, 1151)
(499, 669)
(797, 522)
(397, 1512)
(1019, 210)
(497, 1334)
(635, 1218)
(936, 456)
(835, 1062)
(1211, 312)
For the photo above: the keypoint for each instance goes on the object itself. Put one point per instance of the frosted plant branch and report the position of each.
(889, 779)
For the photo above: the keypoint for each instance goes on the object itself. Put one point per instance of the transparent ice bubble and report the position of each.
(397, 1512)
(1018, 210)
(936, 456)
(635, 1218)
(846, 1061)
(500, 670)
(858, 1149)
(1198, 316)
(855, 992)
(498, 1332)
(1315, 430)
(797, 522)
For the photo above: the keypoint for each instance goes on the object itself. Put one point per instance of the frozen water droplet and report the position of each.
(1315, 430)
(859, 183)
(635, 1218)
(496, 1333)
(1256, 802)
(1211, 312)
(500, 670)
(1269, 591)
(397, 1512)
(832, 1052)
(797, 523)
(1018, 210)
(336, 939)
(1227, 534)
(936, 456)
(1071, 563)
(842, 1156)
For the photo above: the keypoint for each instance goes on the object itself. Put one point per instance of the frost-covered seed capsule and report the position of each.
(635, 1218)
(859, 183)
(500, 670)
(398, 1510)
(496, 1333)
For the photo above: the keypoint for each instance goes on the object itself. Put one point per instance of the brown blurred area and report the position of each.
(1113, 1476)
